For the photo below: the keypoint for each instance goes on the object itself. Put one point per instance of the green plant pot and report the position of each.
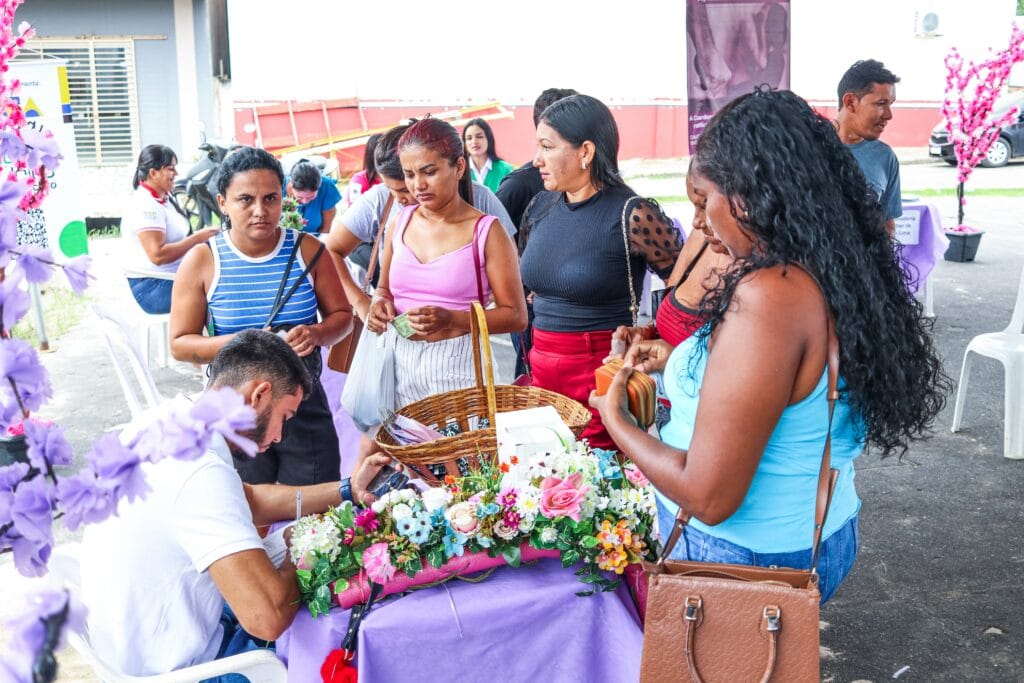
(962, 246)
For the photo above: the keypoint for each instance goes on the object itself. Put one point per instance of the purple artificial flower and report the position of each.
(44, 149)
(20, 363)
(14, 300)
(224, 411)
(28, 630)
(173, 433)
(77, 272)
(32, 509)
(118, 468)
(12, 475)
(31, 263)
(46, 444)
(31, 557)
(11, 145)
(82, 500)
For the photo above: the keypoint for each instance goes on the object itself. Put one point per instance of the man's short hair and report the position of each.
(547, 98)
(260, 355)
(860, 78)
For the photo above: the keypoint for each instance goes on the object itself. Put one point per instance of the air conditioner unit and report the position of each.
(926, 23)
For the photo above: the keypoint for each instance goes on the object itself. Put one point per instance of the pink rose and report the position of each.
(562, 497)
(636, 477)
(377, 563)
(462, 517)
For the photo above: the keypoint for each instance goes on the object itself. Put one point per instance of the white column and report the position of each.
(188, 86)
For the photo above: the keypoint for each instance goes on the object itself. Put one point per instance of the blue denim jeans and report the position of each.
(236, 641)
(152, 293)
(838, 552)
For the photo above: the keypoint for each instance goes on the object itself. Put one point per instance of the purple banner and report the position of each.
(732, 47)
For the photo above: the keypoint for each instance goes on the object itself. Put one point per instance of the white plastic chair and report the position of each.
(259, 666)
(1008, 348)
(123, 350)
(160, 322)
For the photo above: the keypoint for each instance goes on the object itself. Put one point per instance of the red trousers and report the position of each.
(565, 362)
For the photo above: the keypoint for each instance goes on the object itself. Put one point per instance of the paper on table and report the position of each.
(534, 430)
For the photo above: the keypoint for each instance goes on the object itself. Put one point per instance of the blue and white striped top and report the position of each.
(244, 289)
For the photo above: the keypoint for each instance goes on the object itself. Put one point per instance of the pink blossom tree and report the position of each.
(971, 93)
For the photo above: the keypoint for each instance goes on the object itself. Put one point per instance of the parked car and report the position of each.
(1009, 144)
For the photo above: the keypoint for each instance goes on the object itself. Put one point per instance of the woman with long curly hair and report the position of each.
(743, 449)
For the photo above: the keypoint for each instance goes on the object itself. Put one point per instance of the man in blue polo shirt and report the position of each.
(866, 93)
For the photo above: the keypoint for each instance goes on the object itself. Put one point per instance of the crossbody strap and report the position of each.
(372, 265)
(279, 300)
(826, 475)
(634, 307)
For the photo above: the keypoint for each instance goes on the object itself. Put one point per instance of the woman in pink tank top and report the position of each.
(442, 255)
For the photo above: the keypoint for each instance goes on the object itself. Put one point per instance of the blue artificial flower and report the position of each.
(609, 465)
(483, 510)
(437, 517)
(454, 543)
(420, 535)
(32, 510)
(484, 541)
(404, 526)
(19, 363)
(32, 263)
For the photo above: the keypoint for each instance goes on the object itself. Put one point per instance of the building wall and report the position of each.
(156, 79)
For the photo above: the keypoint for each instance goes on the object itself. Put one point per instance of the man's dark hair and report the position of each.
(547, 98)
(257, 354)
(860, 78)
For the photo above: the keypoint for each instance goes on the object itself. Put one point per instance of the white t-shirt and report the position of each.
(153, 607)
(144, 213)
(363, 218)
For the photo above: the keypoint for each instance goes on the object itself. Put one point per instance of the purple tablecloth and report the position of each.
(348, 433)
(919, 259)
(517, 625)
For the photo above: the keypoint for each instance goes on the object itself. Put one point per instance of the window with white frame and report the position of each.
(104, 103)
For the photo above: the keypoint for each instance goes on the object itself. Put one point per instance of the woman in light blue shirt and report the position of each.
(743, 449)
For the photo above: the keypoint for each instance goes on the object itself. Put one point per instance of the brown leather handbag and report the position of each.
(341, 354)
(726, 623)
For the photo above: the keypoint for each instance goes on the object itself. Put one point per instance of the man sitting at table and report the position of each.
(866, 93)
(156, 577)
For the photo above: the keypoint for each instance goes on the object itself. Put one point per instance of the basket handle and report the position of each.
(482, 340)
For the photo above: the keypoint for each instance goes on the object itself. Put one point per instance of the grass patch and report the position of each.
(984, 192)
(62, 310)
(659, 176)
(672, 199)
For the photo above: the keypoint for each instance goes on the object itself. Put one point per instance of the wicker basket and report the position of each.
(457, 453)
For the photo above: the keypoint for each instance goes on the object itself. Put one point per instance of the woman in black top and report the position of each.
(575, 260)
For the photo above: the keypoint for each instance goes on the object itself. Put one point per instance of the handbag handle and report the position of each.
(481, 340)
(770, 616)
(372, 265)
(827, 477)
(634, 307)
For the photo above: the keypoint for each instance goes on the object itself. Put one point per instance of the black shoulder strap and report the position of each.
(279, 300)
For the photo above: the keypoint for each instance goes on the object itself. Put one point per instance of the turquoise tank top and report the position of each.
(244, 289)
(777, 514)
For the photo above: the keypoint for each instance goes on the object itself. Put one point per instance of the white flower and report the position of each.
(401, 511)
(526, 524)
(378, 505)
(434, 498)
(548, 534)
(602, 502)
(406, 495)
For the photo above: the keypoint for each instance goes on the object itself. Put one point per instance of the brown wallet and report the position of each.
(641, 391)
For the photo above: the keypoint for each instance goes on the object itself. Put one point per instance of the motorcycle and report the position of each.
(196, 191)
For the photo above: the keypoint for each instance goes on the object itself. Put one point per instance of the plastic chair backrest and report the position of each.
(1017, 321)
(117, 334)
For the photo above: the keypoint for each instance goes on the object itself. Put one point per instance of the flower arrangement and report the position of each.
(291, 217)
(971, 93)
(578, 504)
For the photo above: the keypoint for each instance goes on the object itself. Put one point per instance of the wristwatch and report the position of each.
(345, 490)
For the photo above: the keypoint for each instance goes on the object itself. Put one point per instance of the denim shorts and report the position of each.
(838, 552)
(152, 294)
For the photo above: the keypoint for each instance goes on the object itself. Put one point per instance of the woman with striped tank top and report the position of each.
(257, 275)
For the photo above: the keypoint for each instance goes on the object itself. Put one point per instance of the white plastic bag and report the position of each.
(370, 385)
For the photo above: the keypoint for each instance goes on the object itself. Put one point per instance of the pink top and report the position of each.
(447, 281)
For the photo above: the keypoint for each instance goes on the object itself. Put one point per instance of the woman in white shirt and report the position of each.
(156, 230)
